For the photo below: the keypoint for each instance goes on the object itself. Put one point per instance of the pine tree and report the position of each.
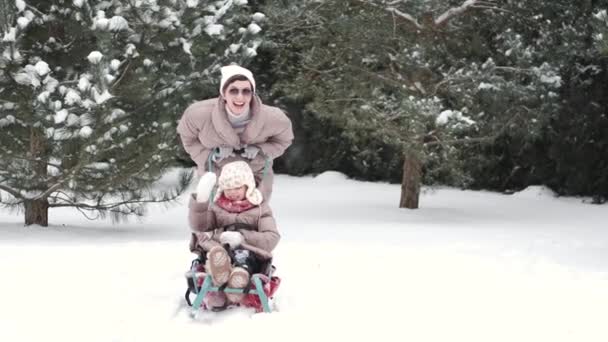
(90, 92)
(600, 24)
(424, 76)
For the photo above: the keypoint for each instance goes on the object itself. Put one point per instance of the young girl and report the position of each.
(238, 217)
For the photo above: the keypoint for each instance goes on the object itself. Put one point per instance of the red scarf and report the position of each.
(233, 206)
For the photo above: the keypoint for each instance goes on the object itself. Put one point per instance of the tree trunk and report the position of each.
(410, 184)
(37, 212)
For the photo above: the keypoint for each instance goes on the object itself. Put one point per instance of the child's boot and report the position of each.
(218, 265)
(239, 279)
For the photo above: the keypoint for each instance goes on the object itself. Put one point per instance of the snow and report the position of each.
(484, 85)
(8, 120)
(23, 22)
(95, 57)
(43, 96)
(131, 50)
(20, 4)
(78, 3)
(115, 64)
(446, 115)
(467, 266)
(554, 80)
(72, 97)
(186, 45)
(118, 23)
(101, 98)
(214, 29)
(72, 120)
(11, 35)
(85, 132)
(254, 28)
(536, 191)
(192, 3)
(60, 116)
(257, 16)
(234, 47)
(100, 21)
(83, 84)
(27, 78)
(42, 68)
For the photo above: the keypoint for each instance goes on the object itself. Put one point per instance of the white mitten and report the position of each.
(205, 186)
(234, 239)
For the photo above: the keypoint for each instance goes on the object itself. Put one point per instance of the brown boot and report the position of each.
(239, 279)
(218, 265)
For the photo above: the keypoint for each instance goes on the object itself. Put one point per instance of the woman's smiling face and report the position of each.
(238, 96)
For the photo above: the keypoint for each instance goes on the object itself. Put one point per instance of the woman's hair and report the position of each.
(234, 79)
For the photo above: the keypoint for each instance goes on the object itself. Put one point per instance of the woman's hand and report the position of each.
(222, 153)
(250, 152)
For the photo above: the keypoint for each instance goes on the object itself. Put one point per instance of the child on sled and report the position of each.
(235, 229)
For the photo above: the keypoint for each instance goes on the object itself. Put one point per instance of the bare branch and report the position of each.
(6, 154)
(390, 9)
(124, 72)
(489, 138)
(405, 16)
(50, 190)
(109, 206)
(455, 11)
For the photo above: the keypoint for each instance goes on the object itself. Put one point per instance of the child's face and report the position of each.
(236, 194)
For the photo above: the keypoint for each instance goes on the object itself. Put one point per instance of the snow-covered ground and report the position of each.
(467, 266)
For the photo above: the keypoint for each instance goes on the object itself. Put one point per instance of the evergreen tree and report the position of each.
(90, 92)
(421, 76)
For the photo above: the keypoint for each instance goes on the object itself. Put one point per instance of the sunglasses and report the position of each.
(236, 91)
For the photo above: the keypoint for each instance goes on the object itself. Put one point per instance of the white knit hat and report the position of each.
(229, 71)
(235, 175)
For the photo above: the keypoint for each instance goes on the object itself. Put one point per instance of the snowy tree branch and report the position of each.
(124, 72)
(109, 206)
(405, 16)
(15, 194)
(6, 154)
(394, 11)
(488, 138)
(455, 11)
(59, 183)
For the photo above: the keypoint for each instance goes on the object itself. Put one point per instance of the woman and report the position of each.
(236, 126)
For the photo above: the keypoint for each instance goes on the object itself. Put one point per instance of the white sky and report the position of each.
(467, 266)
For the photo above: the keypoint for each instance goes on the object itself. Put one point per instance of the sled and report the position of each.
(261, 289)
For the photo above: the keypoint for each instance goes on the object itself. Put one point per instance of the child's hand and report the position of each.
(234, 239)
(205, 186)
(203, 236)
